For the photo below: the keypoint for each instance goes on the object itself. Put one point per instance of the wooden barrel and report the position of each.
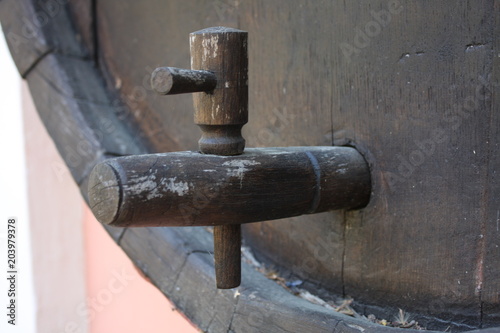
(412, 85)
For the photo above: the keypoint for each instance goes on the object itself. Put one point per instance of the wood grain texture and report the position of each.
(171, 81)
(68, 91)
(397, 94)
(227, 255)
(421, 100)
(70, 98)
(420, 237)
(224, 52)
(187, 276)
(262, 184)
(192, 277)
(167, 123)
(490, 227)
(82, 17)
(33, 29)
(222, 112)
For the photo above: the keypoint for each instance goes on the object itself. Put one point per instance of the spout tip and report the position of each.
(104, 192)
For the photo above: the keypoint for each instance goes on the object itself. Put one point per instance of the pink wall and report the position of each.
(55, 223)
(121, 300)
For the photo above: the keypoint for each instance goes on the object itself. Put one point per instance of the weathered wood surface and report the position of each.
(490, 226)
(419, 106)
(187, 276)
(171, 81)
(408, 91)
(33, 29)
(82, 14)
(190, 273)
(402, 86)
(227, 255)
(221, 113)
(68, 91)
(189, 188)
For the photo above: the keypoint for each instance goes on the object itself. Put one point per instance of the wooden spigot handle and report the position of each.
(219, 72)
(171, 81)
(239, 186)
(193, 189)
(221, 114)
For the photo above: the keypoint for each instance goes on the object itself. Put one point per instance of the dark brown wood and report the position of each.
(186, 277)
(222, 113)
(33, 30)
(82, 14)
(262, 184)
(419, 237)
(68, 91)
(490, 227)
(218, 55)
(401, 88)
(68, 94)
(429, 130)
(227, 255)
(171, 81)
(70, 99)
